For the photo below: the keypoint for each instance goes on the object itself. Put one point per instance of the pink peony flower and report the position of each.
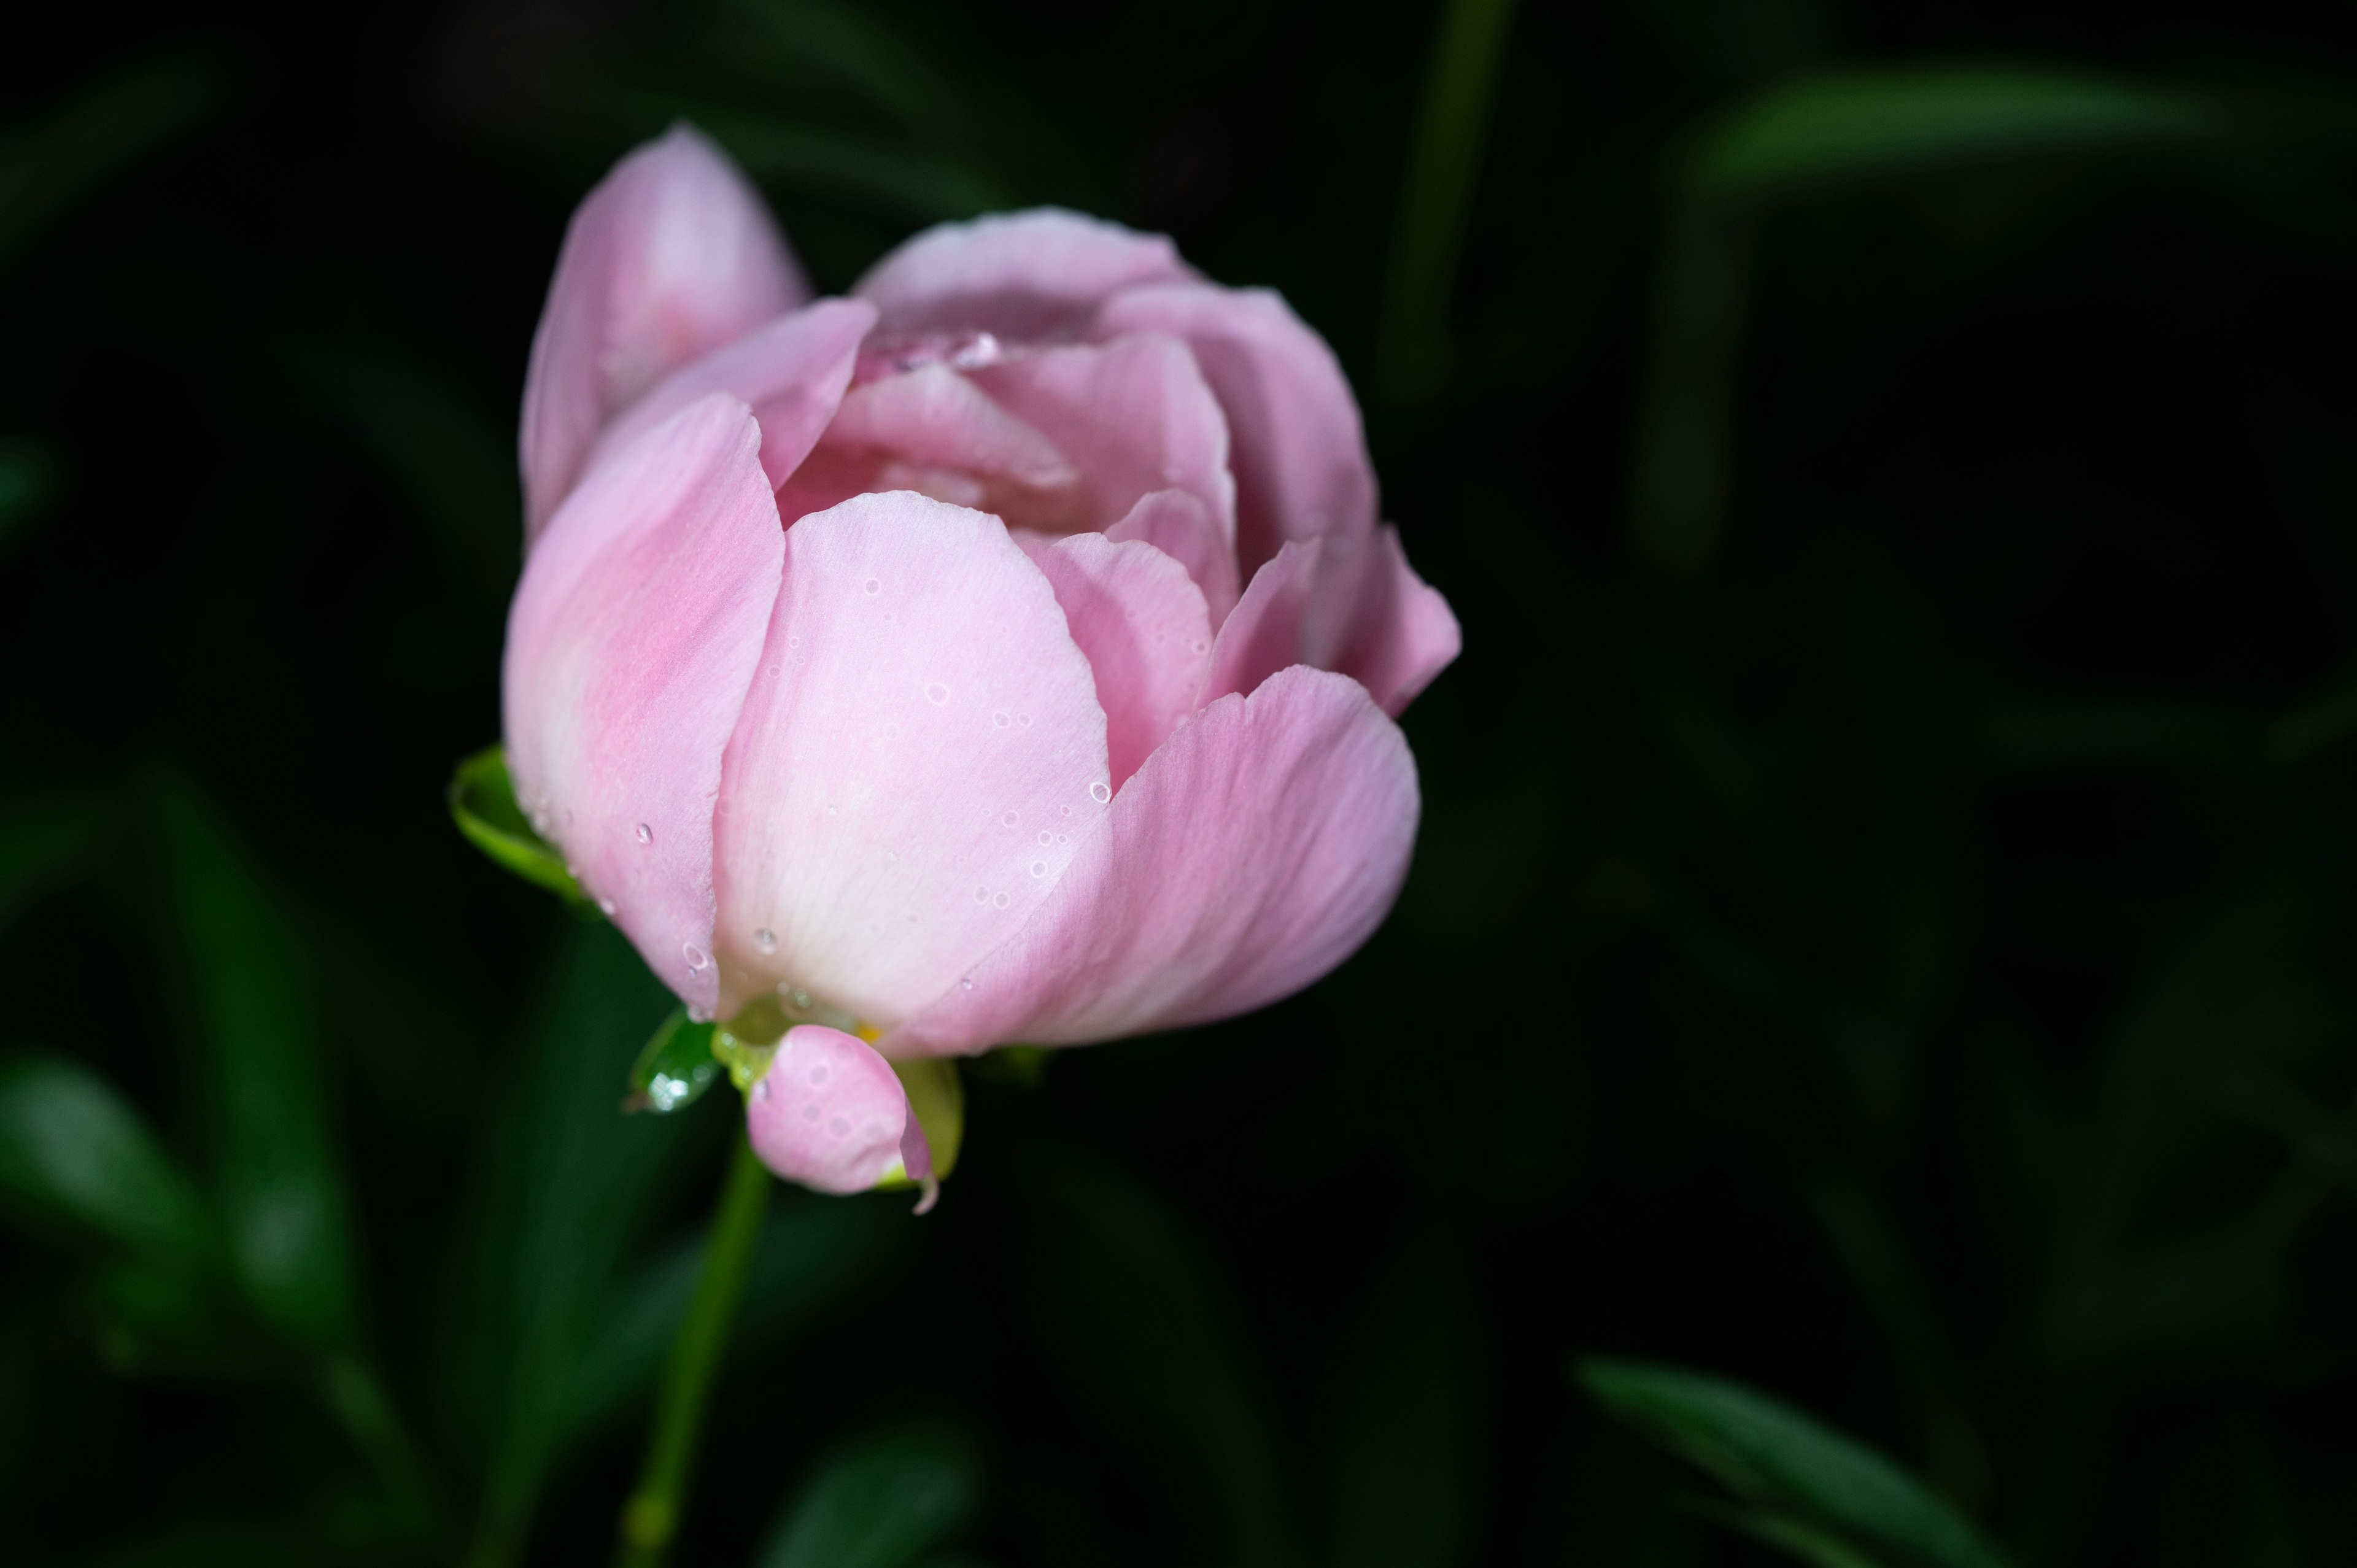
(1007, 652)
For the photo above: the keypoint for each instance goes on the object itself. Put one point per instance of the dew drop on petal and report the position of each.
(873, 585)
(1045, 836)
(937, 692)
(1009, 819)
(1023, 719)
(761, 1090)
(695, 956)
(980, 894)
(606, 908)
(831, 811)
(818, 1075)
(1099, 793)
(646, 833)
(839, 1127)
(699, 1014)
(810, 1112)
(891, 857)
(966, 984)
(764, 939)
(1066, 809)
(1002, 900)
(1039, 868)
(1000, 719)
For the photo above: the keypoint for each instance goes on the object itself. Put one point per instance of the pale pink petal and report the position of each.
(1299, 454)
(1141, 620)
(1406, 633)
(831, 1114)
(1134, 416)
(1023, 275)
(631, 641)
(920, 755)
(1252, 854)
(673, 255)
(1175, 523)
(1265, 634)
(792, 371)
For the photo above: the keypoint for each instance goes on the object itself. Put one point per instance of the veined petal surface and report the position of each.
(1021, 274)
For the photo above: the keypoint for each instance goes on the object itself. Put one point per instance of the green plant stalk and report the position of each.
(650, 1519)
(1436, 196)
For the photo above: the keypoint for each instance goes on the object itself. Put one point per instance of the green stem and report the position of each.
(1436, 196)
(650, 1519)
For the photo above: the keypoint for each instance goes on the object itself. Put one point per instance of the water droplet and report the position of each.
(606, 908)
(1046, 837)
(540, 822)
(1039, 868)
(830, 810)
(1001, 720)
(1066, 809)
(1063, 838)
(839, 1127)
(695, 956)
(1023, 719)
(1199, 646)
(761, 1090)
(810, 1112)
(1011, 819)
(646, 833)
(699, 1014)
(873, 587)
(801, 999)
(1099, 793)
(764, 939)
(1002, 900)
(891, 857)
(573, 871)
(980, 894)
(818, 1075)
(937, 692)
(966, 984)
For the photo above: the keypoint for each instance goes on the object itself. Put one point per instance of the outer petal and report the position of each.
(1147, 634)
(1022, 274)
(830, 1113)
(919, 756)
(1250, 855)
(632, 639)
(1406, 633)
(673, 255)
(1301, 455)
(792, 371)
(1175, 523)
(1134, 416)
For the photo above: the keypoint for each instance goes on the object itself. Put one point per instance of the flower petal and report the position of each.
(1175, 523)
(920, 755)
(1300, 455)
(632, 639)
(1406, 633)
(1251, 854)
(672, 255)
(1133, 416)
(1024, 275)
(831, 1114)
(1265, 634)
(793, 372)
(1142, 622)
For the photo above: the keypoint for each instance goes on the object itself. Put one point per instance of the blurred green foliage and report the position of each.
(1875, 983)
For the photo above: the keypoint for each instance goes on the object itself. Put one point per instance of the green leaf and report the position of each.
(27, 479)
(675, 1066)
(1840, 128)
(43, 841)
(74, 1156)
(483, 804)
(260, 1076)
(885, 1502)
(1779, 1459)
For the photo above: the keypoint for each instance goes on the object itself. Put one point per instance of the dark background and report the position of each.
(1881, 930)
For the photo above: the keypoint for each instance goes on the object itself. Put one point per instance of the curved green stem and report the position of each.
(650, 1519)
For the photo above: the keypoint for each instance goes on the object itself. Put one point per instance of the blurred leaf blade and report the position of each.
(72, 1152)
(886, 1501)
(260, 1071)
(1776, 1457)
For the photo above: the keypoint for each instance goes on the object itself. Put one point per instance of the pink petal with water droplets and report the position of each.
(831, 1114)
(1021, 274)
(673, 255)
(631, 642)
(1142, 622)
(921, 718)
(1252, 854)
(792, 371)
(1134, 416)
(1299, 454)
(1175, 523)
(1406, 633)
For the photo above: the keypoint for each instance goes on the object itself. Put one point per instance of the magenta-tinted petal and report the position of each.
(1134, 416)
(919, 756)
(1299, 452)
(831, 1114)
(1265, 632)
(1024, 275)
(792, 371)
(1406, 633)
(631, 642)
(1175, 523)
(673, 255)
(1141, 620)
(1252, 854)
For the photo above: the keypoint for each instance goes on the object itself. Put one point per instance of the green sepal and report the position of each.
(483, 804)
(1022, 1065)
(675, 1067)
